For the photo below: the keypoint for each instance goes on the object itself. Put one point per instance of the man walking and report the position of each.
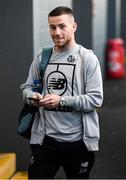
(67, 131)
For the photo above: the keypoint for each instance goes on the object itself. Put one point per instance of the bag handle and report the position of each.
(46, 54)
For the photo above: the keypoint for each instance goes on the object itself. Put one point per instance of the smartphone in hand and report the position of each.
(33, 99)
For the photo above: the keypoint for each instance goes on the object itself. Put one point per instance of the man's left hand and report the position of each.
(50, 101)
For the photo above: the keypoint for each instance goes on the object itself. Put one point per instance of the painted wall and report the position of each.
(123, 21)
(83, 16)
(16, 48)
(99, 33)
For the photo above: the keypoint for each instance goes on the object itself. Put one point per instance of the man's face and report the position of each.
(62, 30)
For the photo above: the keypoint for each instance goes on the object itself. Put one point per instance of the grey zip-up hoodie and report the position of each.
(90, 98)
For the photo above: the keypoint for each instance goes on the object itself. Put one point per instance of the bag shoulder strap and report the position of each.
(46, 54)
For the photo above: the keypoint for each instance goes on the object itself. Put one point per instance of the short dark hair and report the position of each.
(60, 11)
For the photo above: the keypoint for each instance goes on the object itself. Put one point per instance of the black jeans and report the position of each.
(72, 156)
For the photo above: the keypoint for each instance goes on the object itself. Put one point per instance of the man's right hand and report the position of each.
(36, 99)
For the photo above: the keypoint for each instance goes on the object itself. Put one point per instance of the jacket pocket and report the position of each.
(91, 125)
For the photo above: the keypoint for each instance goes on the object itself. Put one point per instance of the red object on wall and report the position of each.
(115, 55)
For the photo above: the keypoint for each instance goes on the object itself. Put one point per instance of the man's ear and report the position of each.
(75, 26)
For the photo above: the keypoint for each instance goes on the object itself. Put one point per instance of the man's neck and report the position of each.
(65, 48)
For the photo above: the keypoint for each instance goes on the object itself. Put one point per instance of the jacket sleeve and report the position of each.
(34, 74)
(92, 96)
